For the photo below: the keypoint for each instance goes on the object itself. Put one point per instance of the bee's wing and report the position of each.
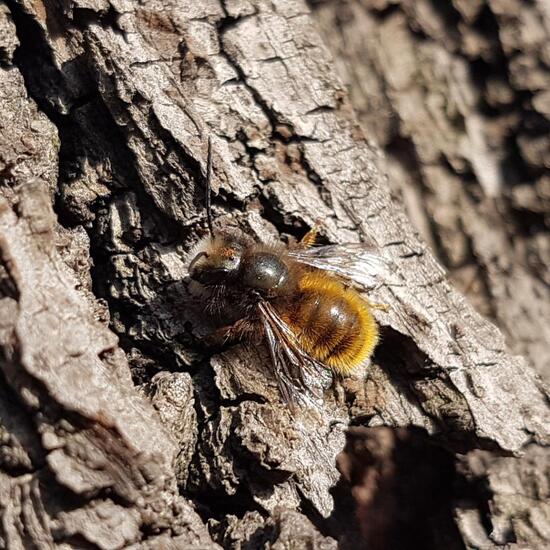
(299, 376)
(356, 262)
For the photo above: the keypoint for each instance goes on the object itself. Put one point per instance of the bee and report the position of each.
(300, 300)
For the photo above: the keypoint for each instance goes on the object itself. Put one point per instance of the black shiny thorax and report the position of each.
(266, 272)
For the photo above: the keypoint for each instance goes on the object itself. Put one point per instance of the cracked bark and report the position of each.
(119, 427)
(456, 95)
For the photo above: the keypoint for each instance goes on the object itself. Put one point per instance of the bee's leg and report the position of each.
(310, 238)
(381, 307)
(242, 329)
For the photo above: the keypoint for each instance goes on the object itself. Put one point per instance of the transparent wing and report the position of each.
(299, 376)
(356, 262)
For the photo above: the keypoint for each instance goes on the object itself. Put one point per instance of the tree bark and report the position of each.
(456, 95)
(119, 427)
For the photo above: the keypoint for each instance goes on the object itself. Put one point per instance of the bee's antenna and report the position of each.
(209, 188)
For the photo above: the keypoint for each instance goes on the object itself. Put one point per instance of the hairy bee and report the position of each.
(297, 298)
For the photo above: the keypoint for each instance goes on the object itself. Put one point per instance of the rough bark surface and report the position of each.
(119, 428)
(456, 95)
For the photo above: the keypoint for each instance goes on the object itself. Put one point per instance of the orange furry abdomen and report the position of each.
(332, 323)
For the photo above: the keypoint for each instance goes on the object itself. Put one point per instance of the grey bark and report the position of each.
(456, 95)
(119, 428)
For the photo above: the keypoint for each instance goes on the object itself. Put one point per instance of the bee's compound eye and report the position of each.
(216, 276)
(264, 271)
(215, 267)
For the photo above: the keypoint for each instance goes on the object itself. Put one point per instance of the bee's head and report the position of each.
(216, 260)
